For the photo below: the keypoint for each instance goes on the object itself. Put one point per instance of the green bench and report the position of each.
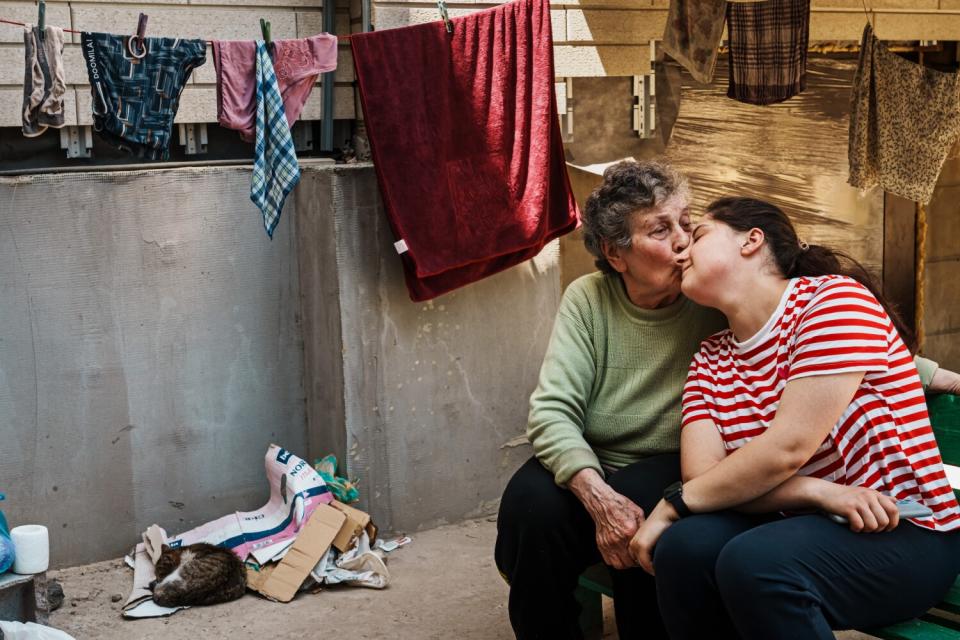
(940, 623)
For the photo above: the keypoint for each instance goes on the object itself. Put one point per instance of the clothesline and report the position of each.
(210, 42)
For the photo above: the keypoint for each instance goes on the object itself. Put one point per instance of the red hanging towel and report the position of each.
(466, 142)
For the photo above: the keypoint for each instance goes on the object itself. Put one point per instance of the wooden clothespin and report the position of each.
(265, 30)
(445, 15)
(41, 17)
(141, 30)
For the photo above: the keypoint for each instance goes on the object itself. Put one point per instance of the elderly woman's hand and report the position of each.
(641, 547)
(616, 517)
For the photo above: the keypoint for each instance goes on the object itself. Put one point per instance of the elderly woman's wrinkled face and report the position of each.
(649, 265)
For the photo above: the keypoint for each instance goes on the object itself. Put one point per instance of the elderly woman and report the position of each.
(605, 418)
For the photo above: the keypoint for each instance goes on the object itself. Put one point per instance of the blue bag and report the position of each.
(6, 544)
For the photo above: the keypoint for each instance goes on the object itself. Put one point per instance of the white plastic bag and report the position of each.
(31, 631)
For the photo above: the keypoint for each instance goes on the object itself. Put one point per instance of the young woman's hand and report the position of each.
(866, 510)
(641, 547)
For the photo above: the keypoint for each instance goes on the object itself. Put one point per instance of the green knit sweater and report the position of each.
(611, 381)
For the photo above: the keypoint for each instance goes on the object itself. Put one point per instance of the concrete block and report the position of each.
(344, 107)
(597, 61)
(915, 26)
(879, 4)
(633, 5)
(23, 598)
(11, 101)
(11, 65)
(391, 17)
(311, 22)
(345, 69)
(376, 6)
(265, 3)
(207, 74)
(833, 24)
(58, 13)
(198, 103)
(220, 23)
(614, 26)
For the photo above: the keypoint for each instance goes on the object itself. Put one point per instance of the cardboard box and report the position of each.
(356, 522)
(281, 581)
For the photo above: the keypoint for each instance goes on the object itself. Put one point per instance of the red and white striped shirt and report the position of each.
(822, 326)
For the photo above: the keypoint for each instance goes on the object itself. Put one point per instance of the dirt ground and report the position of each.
(443, 586)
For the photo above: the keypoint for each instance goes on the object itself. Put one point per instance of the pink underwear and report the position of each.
(297, 64)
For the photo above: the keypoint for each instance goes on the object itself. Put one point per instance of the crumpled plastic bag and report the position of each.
(342, 489)
(7, 553)
(31, 631)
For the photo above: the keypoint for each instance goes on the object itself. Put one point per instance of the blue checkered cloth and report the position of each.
(275, 168)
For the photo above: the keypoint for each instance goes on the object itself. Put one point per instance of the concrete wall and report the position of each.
(152, 347)
(434, 395)
(150, 351)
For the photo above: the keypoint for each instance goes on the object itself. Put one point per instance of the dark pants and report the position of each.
(728, 575)
(545, 539)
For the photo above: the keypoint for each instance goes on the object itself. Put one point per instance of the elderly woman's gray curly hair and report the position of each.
(628, 188)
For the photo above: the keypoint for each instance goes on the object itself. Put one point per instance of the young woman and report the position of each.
(809, 403)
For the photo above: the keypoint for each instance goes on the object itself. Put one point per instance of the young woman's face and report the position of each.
(659, 236)
(713, 254)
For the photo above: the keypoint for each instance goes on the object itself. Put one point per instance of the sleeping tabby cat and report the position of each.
(198, 574)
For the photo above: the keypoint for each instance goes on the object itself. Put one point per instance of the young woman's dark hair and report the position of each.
(795, 259)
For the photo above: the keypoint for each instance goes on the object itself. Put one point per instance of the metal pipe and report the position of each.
(326, 124)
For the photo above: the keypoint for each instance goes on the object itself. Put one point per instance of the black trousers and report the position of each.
(545, 539)
(726, 576)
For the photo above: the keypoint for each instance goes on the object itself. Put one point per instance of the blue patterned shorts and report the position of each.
(135, 100)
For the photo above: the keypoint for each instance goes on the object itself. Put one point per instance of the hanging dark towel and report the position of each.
(466, 142)
(768, 50)
(904, 118)
(693, 33)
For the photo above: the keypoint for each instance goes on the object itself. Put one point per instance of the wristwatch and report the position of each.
(674, 495)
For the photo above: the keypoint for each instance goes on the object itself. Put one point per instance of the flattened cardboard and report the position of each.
(153, 539)
(356, 522)
(281, 581)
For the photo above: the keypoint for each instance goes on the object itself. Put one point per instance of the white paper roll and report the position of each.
(31, 543)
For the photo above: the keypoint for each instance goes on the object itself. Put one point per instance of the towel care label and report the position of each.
(400, 246)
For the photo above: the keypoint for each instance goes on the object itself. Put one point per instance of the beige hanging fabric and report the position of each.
(693, 34)
(904, 118)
